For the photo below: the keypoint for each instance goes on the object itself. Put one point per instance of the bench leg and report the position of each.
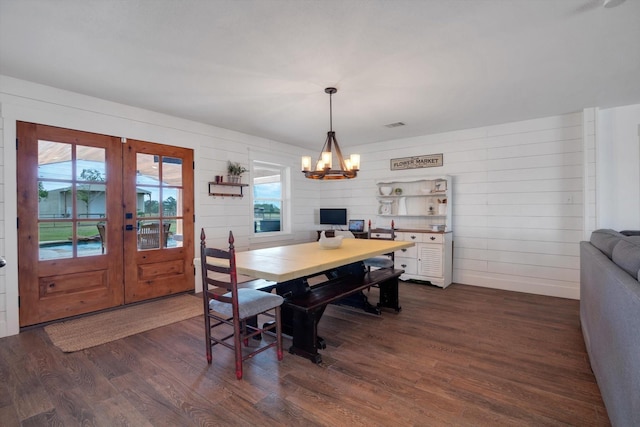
(389, 295)
(305, 335)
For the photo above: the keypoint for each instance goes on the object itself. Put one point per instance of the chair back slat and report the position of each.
(382, 233)
(223, 263)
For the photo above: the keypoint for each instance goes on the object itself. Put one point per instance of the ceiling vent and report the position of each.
(394, 125)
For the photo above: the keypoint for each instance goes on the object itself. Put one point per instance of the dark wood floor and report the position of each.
(460, 356)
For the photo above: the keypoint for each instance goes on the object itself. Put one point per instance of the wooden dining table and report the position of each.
(283, 263)
(292, 269)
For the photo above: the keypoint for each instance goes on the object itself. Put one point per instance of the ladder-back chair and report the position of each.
(225, 304)
(386, 260)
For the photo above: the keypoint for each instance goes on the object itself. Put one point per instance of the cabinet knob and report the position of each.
(403, 265)
(403, 250)
(432, 238)
(413, 237)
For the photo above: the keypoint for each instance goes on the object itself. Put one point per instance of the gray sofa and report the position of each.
(610, 319)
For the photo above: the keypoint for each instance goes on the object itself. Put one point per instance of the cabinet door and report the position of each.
(430, 260)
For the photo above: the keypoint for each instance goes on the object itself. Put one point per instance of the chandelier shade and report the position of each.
(324, 165)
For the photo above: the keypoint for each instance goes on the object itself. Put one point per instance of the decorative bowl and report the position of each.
(385, 191)
(330, 242)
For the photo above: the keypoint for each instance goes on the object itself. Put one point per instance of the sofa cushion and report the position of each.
(626, 255)
(605, 240)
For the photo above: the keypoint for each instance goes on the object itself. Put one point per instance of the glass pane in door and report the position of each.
(54, 160)
(159, 200)
(72, 190)
(171, 171)
(54, 240)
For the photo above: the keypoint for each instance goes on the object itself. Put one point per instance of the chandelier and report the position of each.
(324, 165)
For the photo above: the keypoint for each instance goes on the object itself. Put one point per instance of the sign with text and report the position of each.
(428, 161)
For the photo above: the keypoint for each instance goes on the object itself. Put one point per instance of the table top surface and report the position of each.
(284, 263)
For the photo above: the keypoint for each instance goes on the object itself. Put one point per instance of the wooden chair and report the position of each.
(149, 236)
(386, 260)
(103, 235)
(225, 304)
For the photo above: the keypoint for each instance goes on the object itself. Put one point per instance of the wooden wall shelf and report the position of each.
(213, 185)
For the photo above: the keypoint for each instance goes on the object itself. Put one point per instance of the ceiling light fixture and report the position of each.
(324, 165)
(612, 3)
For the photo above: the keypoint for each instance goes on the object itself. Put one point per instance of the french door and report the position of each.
(158, 220)
(101, 222)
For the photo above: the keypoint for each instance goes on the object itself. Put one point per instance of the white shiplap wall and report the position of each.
(618, 171)
(589, 171)
(517, 200)
(3, 281)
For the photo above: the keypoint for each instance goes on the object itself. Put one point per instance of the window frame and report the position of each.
(285, 196)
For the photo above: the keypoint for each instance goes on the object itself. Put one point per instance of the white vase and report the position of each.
(402, 206)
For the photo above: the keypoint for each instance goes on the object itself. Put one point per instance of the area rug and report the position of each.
(90, 331)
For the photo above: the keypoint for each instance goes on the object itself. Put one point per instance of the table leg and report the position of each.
(305, 335)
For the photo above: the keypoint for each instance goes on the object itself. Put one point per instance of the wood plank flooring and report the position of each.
(464, 356)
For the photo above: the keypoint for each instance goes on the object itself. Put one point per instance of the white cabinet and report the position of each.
(421, 211)
(431, 259)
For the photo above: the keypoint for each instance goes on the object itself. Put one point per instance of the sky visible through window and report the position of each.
(272, 190)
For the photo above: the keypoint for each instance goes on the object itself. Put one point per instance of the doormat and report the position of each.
(85, 332)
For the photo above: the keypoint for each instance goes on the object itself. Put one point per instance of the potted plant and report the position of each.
(235, 171)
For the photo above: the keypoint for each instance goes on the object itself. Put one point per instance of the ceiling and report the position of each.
(260, 66)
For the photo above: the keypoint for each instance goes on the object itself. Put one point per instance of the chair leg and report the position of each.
(237, 347)
(207, 337)
(279, 333)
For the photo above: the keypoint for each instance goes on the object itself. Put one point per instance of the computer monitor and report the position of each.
(333, 216)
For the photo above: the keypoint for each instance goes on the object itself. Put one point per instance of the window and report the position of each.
(270, 197)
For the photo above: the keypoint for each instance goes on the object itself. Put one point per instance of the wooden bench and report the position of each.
(304, 311)
(335, 290)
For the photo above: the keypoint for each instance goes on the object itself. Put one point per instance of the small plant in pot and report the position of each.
(235, 171)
